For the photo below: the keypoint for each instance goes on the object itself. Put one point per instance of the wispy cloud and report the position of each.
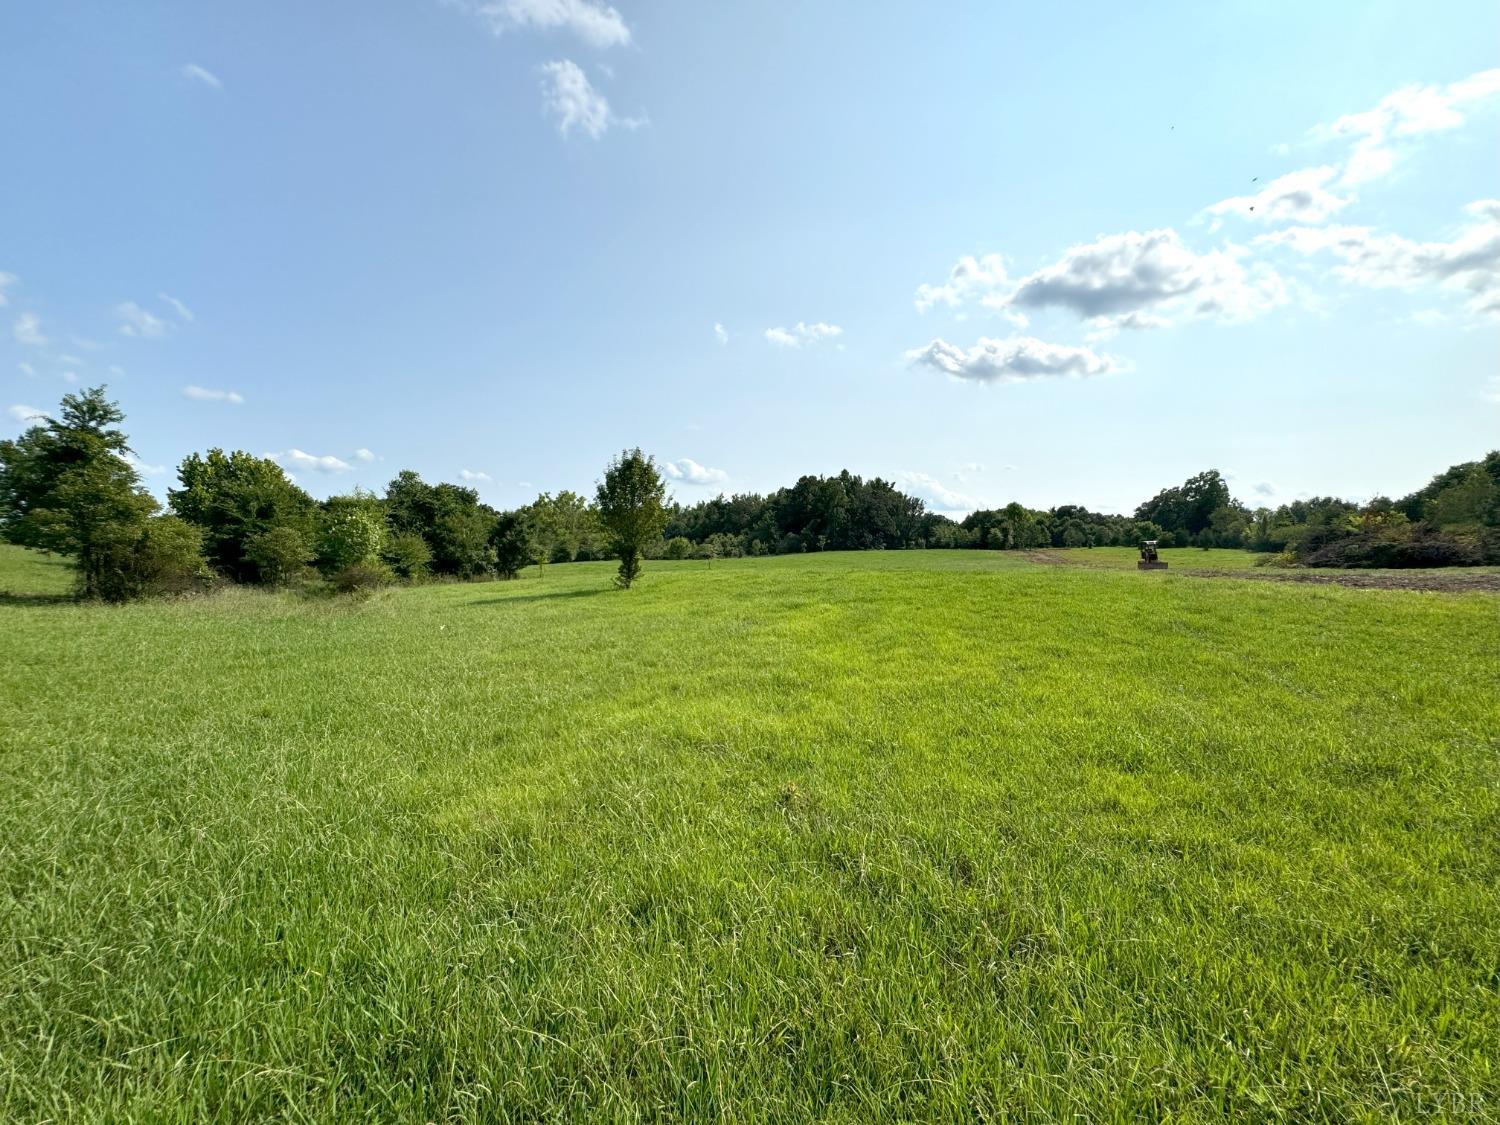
(1381, 136)
(19, 413)
(596, 24)
(572, 101)
(195, 73)
(1469, 262)
(138, 322)
(178, 307)
(936, 493)
(28, 330)
(1298, 197)
(364, 455)
(474, 476)
(144, 469)
(6, 281)
(1490, 393)
(208, 394)
(970, 277)
(721, 334)
(1013, 360)
(802, 333)
(689, 471)
(297, 459)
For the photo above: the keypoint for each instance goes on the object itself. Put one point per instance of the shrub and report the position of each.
(280, 554)
(352, 532)
(678, 548)
(169, 558)
(408, 555)
(1379, 551)
(362, 577)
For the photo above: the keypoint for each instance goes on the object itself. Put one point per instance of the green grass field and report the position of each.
(901, 836)
(1180, 558)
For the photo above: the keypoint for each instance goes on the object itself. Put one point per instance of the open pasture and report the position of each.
(904, 835)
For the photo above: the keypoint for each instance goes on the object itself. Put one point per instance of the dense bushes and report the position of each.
(1453, 521)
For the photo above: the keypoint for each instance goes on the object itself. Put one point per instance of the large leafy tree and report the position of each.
(410, 506)
(1189, 507)
(630, 500)
(65, 486)
(460, 535)
(235, 497)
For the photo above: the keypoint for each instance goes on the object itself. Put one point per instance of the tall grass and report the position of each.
(845, 837)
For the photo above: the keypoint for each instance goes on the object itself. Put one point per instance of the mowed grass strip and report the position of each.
(838, 837)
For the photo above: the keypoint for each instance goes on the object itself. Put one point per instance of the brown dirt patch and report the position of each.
(1437, 581)
(1433, 580)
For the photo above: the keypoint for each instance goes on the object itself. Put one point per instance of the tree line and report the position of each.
(67, 485)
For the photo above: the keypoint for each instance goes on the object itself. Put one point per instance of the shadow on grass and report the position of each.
(7, 598)
(540, 597)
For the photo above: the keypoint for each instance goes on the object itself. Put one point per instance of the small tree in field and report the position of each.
(630, 506)
(510, 539)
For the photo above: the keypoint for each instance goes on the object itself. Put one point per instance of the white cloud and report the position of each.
(802, 333)
(296, 458)
(1297, 197)
(720, 333)
(1491, 392)
(1380, 134)
(27, 370)
(364, 455)
(1013, 360)
(1469, 262)
(207, 394)
(136, 321)
(71, 361)
(1113, 277)
(471, 475)
(573, 102)
(6, 281)
(598, 25)
(195, 73)
(144, 469)
(178, 307)
(940, 496)
(690, 472)
(984, 276)
(28, 330)
(19, 413)
(117, 371)
(1138, 279)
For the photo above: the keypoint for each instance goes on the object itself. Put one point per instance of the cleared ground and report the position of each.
(846, 837)
(1222, 563)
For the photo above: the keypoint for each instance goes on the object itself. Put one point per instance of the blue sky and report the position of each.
(991, 251)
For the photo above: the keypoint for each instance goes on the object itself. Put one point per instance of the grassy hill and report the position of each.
(849, 837)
